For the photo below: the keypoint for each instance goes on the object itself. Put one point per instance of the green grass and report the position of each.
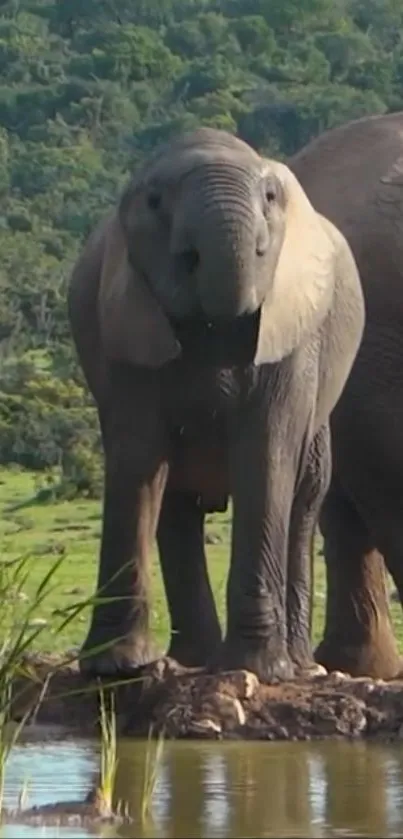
(152, 763)
(44, 531)
(109, 761)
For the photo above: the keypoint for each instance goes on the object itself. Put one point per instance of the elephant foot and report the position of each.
(192, 655)
(301, 655)
(377, 660)
(258, 658)
(121, 660)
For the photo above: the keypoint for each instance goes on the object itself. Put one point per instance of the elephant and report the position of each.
(353, 174)
(216, 317)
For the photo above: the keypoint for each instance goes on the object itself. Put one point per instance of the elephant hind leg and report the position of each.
(358, 637)
(389, 536)
(195, 627)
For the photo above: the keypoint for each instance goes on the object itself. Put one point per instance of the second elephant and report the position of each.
(216, 316)
(354, 175)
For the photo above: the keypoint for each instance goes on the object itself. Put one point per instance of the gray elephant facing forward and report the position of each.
(216, 316)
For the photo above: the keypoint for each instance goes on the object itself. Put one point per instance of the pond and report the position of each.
(231, 789)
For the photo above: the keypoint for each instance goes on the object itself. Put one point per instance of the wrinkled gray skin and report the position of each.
(216, 316)
(354, 176)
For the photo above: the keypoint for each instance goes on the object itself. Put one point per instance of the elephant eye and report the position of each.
(270, 192)
(154, 200)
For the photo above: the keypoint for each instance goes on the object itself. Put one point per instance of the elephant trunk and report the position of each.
(229, 240)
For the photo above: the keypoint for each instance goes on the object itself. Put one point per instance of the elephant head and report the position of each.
(210, 232)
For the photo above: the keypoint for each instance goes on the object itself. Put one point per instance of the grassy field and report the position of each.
(72, 530)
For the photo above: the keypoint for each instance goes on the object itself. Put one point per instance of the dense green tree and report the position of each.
(87, 88)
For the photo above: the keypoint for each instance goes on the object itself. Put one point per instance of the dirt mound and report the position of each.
(190, 703)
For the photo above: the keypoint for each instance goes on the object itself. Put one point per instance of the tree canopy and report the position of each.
(88, 87)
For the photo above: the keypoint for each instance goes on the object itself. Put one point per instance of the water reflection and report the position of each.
(269, 790)
(240, 790)
(51, 769)
(356, 790)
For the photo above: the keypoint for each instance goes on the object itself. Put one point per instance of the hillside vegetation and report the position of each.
(87, 88)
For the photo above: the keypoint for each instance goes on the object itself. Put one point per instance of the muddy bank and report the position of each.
(91, 812)
(189, 703)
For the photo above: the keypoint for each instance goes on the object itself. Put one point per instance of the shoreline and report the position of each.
(184, 703)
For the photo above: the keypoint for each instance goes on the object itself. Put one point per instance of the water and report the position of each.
(333, 789)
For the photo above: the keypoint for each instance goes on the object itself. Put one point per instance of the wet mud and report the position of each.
(88, 813)
(184, 703)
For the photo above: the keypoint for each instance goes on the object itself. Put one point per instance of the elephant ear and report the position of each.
(304, 277)
(133, 325)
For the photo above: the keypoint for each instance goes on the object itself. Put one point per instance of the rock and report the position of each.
(205, 729)
(241, 683)
(337, 676)
(315, 671)
(227, 709)
(305, 714)
(361, 687)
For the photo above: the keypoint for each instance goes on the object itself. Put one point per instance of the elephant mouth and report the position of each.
(218, 343)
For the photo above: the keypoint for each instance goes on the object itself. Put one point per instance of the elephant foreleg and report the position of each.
(136, 472)
(304, 516)
(358, 637)
(195, 628)
(121, 622)
(263, 475)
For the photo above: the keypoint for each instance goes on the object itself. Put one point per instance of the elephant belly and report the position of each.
(200, 406)
(201, 469)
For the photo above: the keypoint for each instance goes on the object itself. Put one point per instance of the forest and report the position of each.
(87, 89)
